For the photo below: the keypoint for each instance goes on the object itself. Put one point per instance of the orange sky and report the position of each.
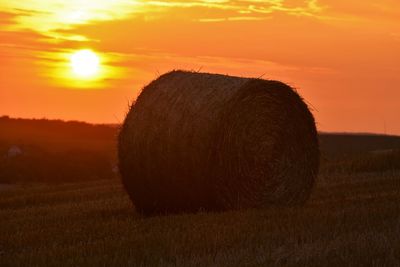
(342, 55)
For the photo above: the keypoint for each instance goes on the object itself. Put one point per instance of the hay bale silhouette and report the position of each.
(196, 141)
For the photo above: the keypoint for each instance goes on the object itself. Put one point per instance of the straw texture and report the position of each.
(199, 141)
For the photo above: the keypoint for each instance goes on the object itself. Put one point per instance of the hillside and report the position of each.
(57, 135)
(57, 151)
(347, 144)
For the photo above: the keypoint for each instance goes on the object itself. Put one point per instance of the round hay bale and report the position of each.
(196, 141)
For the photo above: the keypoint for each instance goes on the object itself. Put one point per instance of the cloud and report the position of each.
(231, 10)
(6, 19)
(46, 16)
(50, 16)
(23, 40)
(238, 18)
(58, 18)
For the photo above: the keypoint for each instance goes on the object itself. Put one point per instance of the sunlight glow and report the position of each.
(48, 17)
(85, 63)
(80, 69)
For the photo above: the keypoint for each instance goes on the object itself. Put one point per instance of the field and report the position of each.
(349, 221)
(61, 204)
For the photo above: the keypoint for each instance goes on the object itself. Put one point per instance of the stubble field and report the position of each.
(350, 220)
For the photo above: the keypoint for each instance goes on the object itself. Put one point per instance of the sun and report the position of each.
(85, 63)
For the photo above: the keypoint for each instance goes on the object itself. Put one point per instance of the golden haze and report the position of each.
(341, 55)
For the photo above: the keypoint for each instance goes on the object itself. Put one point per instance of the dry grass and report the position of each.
(349, 221)
(216, 142)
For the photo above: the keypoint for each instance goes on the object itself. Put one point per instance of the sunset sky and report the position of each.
(343, 56)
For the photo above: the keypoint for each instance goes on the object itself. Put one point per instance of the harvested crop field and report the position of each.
(349, 221)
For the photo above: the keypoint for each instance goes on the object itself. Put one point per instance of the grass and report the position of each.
(349, 221)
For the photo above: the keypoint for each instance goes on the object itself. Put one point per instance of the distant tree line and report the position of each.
(71, 166)
(58, 151)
